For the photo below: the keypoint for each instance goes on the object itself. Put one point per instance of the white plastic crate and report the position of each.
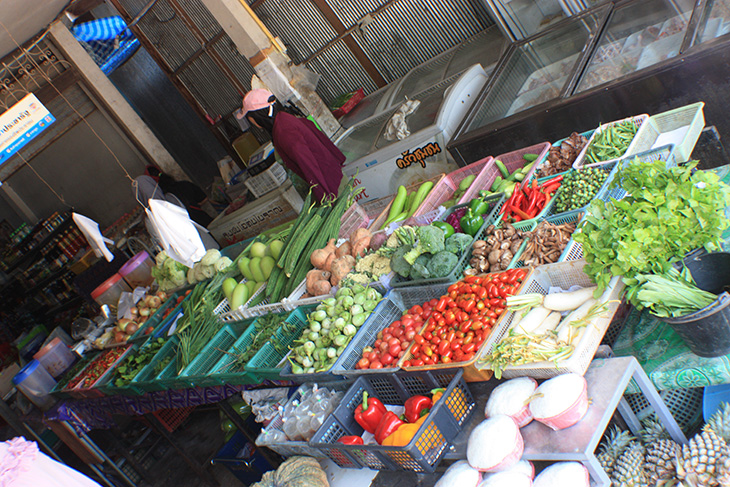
(681, 127)
(226, 314)
(295, 300)
(267, 181)
(640, 121)
(564, 275)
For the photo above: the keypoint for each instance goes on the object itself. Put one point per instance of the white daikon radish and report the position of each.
(557, 395)
(494, 444)
(506, 479)
(567, 301)
(563, 474)
(567, 330)
(511, 398)
(532, 320)
(460, 474)
(549, 324)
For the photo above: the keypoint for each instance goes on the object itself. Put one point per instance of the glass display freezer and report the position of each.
(381, 163)
(538, 69)
(638, 35)
(715, 21)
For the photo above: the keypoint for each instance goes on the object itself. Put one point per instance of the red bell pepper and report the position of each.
(351, 440)
(369, 413)
(388, 424)
(417, 406)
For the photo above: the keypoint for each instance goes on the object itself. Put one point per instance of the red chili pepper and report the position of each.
(549, 182)
(521, 214)
(551, 188)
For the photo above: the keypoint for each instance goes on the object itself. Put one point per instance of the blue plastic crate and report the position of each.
(429, 444)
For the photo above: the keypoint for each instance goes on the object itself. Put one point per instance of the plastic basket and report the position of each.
(640, 121)
(515, 159)
(458, 271)
(198, 371)
(295, 299)
(525, 226)
(354, 217)
(267, 181)
(293, 448)
(441, 191)
(93, 390)
(129, 389)
(266, 364)
(287, 373)
(60, 390)
(573, 250)
(145, 380)
(428, 446)
(373, 208)
(684, 404)
(602, 193)
(383, 216)
(485, 169)
(157, 318)
(681, 127)
(471, 372)
(170, 419)
(587, 134)
(394, 306)
(564, 275)
(473, 169)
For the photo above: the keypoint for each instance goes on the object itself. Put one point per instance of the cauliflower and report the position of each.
(374, 264)
(392, 241)
(430, 240)
(359, 278)
(442, 263)
(458, 243)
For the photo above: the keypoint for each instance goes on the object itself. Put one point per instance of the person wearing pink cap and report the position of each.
(305, 150)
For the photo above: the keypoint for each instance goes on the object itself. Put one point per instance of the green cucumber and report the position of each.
(502, 168)
(529, 157)
(466, 182)
(496, 184)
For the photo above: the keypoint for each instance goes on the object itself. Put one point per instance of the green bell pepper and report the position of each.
(478, 206)
(445, 227)
(471, 222)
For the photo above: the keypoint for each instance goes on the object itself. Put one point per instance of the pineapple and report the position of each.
(705, 461)
(612, 448)
(720, 422)
(661, 452)
(629, 471)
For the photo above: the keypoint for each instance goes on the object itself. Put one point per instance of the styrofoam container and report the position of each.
(568, 416)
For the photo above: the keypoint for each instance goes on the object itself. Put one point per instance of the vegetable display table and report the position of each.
(607, 380)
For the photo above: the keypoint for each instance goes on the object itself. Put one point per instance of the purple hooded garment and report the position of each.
(309, 153)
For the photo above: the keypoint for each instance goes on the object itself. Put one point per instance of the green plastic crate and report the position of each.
(59, 390)
(169, 377)
(573, 250)
(132, 388)
(145, 380)
(93, 390)
(263, 365)
(156, 318)
(610, 168)
(197, 373)
(463, 261)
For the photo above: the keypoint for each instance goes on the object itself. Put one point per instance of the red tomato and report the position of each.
(363, 363)
(376, 365)
(407, 321)
(387, 359)
(398, 332)
(416, 310)
(468, 347)
(383, 347)
(394, 349)
(418, 338)
(415, 363)
(387, 336)
(410, 334)
(443, 346)
(373, 356)
(406, 363)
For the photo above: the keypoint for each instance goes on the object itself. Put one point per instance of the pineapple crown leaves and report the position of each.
(652, 430)
(616, 442)
(719, 422)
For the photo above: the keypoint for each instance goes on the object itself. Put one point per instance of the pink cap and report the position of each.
(256, 100)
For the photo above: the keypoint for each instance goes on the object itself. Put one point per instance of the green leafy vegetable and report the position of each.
(667, 213)
(671, 294)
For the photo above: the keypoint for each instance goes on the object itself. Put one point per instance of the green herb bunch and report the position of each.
(667, 213)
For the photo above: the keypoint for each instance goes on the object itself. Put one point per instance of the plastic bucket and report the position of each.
(707, 332)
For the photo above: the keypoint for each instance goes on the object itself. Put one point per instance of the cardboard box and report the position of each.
(273, 209)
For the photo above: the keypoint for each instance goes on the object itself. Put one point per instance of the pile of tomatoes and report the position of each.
(393, 341)
(448, 329)
(463, 319)
(97, 368)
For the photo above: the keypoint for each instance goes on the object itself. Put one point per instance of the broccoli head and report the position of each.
(420, 267)
(442, 263)
(398, 262)
(430, 240)
(458, 243)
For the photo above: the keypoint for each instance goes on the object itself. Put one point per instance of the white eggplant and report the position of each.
(568, 301)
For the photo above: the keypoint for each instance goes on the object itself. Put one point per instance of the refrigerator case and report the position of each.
(715, 21)
(537, 70)
(380, 165)
(638, 35)
(484, 48)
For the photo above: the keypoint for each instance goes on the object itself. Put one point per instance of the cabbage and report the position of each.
(161, 257)
(222, 264)
(210, 257)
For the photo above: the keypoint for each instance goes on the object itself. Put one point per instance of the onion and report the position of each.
(511, 398)
(460, 474)
(162, 295)
(144, 312)
(155, 302)
(122, 324)
(561, 401)
(134, 311)
(131, 328)
(495, 444)
(119, 337)
(561, 474)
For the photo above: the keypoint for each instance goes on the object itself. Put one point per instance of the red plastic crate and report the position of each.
(355, 217)
(172, 418)
(480, 167)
